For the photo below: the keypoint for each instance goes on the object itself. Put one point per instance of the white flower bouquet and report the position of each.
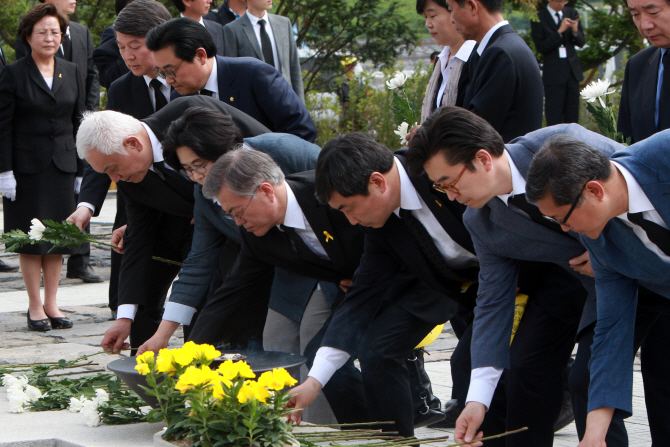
(602, 111)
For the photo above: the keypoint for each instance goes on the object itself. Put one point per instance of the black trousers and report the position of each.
(530, 393)
(81, 256)
(119, 220)
(561, 102)
(380, 391)
(652, 334)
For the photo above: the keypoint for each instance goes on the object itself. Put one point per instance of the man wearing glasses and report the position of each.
(159, 205)
(620, 208)
(467, 159)
(186, 57)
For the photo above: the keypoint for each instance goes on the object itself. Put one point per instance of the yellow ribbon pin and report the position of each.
(328, 236)
(438, 203)
(60, 75)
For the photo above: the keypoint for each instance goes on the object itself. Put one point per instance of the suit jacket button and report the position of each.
(232, 99)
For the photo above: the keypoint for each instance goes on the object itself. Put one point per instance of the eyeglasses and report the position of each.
(199, 169)
(227, 215)
(564, 222)
(451, 187)
(44, 33)
(169, 73)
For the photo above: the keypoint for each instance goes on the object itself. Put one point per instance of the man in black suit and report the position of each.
(196, 10)
(159, 205)
(186, 55)
(107, 57)
(417, 256)
(139, 93)
(505, 83)
(227, 12)
(77, 47)
(556, 33)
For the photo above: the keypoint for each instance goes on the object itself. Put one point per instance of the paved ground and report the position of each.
(86, 305)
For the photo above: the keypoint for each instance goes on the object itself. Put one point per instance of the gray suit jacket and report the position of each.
(216, 31)
(240, 41)
(502, 238)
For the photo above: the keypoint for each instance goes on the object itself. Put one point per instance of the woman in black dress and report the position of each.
(41, 102)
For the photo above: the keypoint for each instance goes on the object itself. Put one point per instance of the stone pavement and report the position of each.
(86, 305)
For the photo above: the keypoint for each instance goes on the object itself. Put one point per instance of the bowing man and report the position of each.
(185, 54)
(159, 206)
(417, 256)
(620, 208)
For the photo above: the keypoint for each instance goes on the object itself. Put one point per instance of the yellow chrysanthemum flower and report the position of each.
(252, 390)
(244, 370)
(205, 353)
(147, 357)
(194, 377)
(229, 370)
(164, 361)
(260, 392)
(267, 379)
(284, 376)
(186, 354)
(143, 369)
(218, 391)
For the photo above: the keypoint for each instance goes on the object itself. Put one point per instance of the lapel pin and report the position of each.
(438, 203)
(232, 99)
(328, 236)
(60, 75)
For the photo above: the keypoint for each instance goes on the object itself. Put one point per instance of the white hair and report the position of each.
(105, 131)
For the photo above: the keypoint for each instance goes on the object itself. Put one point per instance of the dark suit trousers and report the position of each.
(81, 256)
(652, 332)
(561, 102)
(120, 220)
(530, 393)
(381, 390)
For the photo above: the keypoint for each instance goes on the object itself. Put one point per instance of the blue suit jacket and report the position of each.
(290, 292)
(621, 262)
(261, 92)
(503, 238)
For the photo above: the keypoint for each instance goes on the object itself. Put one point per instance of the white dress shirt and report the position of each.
(446, 62)
(487, 36)
(129, 310)
(483, 381)
(295, 219)
(181, 14)
(165, 89)
(553, 13)
(213, 81)
(268, 29)
(328, 360)
(638, 202)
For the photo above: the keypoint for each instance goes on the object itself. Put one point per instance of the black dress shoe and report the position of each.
(5, 268)
(566, 416)
(451, 413)
(83, 272)
(38, 325)
(59, 322)
(429, 418)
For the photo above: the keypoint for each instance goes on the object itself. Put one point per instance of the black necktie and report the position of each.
(656, 233)
(558, 16)
(299, 245)
(427, 245)
(266, 46)
(664, 100)
(534, 213)
(206, 92)
(67, 47)
(158, 94)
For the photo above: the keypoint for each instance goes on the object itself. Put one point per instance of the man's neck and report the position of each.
(487, 21)
(210, 64)
(393, 185)
(282, 201)
(237, 6)
(260, 13)
(192, 15)
(617, 189)
(503, 175)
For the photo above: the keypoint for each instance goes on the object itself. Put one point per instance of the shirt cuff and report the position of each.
(87, 205)
(326, 362)
(126, 311)
(483, 382)
(179, 313)
(6, 175)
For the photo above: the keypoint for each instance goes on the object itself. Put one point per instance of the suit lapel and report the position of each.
(248, 30)
(59, 76)
(227, 93)
(141, 94)
(281, 38)
(36, 75)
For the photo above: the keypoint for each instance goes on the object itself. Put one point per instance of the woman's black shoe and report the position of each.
(38, 325)
(59, 322)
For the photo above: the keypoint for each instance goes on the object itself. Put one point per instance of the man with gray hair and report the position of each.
(159, 205)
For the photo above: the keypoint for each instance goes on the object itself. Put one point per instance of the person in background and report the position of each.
(556, 33)
(196, 10)
(107, 57)
(267, 37)
(41, 105)
(229, 11)
(433, 57)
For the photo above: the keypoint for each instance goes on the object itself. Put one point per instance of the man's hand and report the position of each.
(582, 264)
(117, 238)
(411, 134)
(81, 217)
(345, 284)
(597, 424)
(574, 24)
(565, 24)
(305, 394)
(160, 339)
(116, 335)
(468, 423)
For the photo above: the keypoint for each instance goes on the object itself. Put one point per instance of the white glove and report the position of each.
(8, 185)
(77, 184)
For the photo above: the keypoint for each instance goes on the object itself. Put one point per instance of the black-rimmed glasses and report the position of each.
(227, 215)
(564, 222)
(199, 169)
(169, 73)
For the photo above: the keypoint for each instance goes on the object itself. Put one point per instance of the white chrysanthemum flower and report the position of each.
(33, 393)
(90, 413)
(36, 230)
(397, 81)
(76, 404)
(596, 90)
(23, 379)
(17, 399)
(9, 381)
(101, 396)
(402, 132)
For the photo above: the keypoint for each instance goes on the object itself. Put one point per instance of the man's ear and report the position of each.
(132, 143)
(267, 189)
(484, 157)
(473, 6)
(200, 56)
(596, 189)
(378, 181)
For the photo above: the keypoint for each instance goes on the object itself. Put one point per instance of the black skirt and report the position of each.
(46, 195)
